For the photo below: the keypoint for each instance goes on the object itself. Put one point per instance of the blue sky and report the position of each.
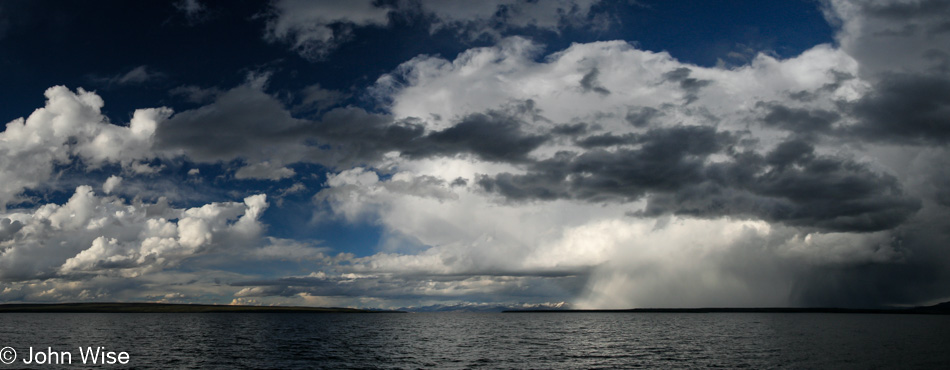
(411, 152)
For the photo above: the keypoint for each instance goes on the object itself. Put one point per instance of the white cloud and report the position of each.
(90, 235)
(287, 249)
(307, 25)
(439, 229)
(487, 78)
(111, 184)
(70, 126)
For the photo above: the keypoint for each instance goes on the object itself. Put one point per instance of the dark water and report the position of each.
(520, 341)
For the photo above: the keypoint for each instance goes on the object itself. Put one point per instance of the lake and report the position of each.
(482, 340)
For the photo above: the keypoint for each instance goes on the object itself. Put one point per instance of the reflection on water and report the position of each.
(525, 340)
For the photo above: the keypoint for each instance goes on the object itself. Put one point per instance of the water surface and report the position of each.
(519, 341)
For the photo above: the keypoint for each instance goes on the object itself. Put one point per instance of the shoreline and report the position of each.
(114, 307)
(899, 311)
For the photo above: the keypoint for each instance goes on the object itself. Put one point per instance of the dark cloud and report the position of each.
(908, 10)
(319, 99)
(794, 186)
(798, 119)
(9, 228)
(642, 117)
(917, 276)
(246, 123)
(790, 184)
(363, 137)
(352, 136)
(589, 82)
(241, 123)
(904, 109)
(571, 130)
(492, 136)
(666, 160)
(689, 84)
(604, 140)
(790, 152)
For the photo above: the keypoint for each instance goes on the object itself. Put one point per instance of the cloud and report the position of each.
(795, 187)
(70, 127)
(563, 249)
(667, 160)
(897, 36)
(589, 83)
(91, 236)
(493, 136)
(111, 183)
(195, 94)
(494, 18)
(908, 109)
(256, 128)
(314, 29)
(136, 76)
(247, 124)
(193, 10)
(777, 162)
(319, 99)
(798, 120)
(508, 174)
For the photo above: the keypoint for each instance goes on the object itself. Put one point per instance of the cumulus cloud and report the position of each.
(70, 127)
(784, 166)
(111, 184)
(92, 235)
(601, 174)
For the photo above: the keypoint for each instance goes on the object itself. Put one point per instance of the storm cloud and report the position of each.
(407, 153)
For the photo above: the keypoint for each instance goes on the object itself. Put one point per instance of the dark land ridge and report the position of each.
(114, 307)
(937, 309)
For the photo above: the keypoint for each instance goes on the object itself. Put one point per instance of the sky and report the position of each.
(413, 153)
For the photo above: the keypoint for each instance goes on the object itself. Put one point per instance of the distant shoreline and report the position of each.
(930, 310)
(115, 307)
(169, 308)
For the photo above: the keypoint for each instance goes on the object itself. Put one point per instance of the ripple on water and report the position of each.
(526, 340)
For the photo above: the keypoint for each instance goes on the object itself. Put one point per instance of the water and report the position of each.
(519, 341)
